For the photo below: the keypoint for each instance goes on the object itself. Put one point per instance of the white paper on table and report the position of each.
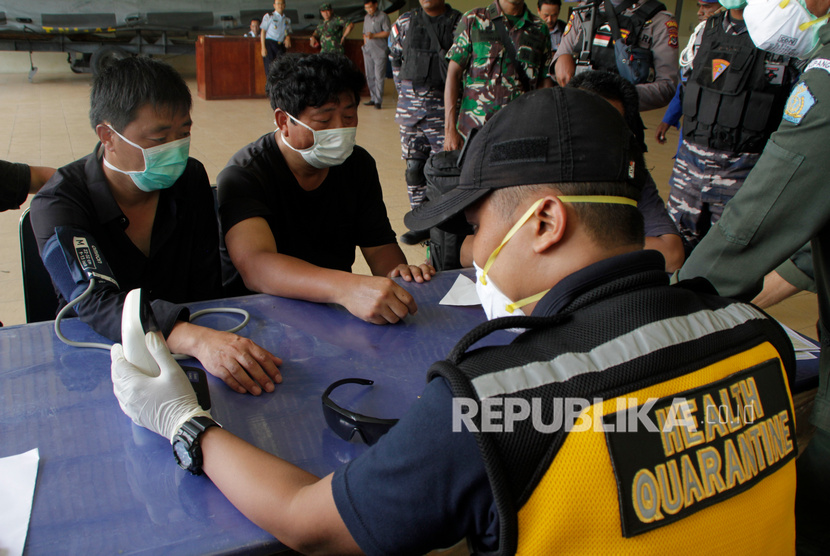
(17, 490)
(804, 347)
(462, 293)
(800, 343)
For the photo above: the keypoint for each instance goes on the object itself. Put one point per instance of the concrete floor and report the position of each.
(45, 123)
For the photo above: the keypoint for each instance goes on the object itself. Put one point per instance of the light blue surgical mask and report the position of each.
(732, 4)
(163, 164)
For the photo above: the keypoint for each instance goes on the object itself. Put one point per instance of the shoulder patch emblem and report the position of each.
(799, 103)
(671, 27)
(820, 63)
(718, 67)
(569, 25)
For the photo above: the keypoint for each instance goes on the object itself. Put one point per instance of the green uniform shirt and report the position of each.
(330, 33)
(782, 205)
(490, 80)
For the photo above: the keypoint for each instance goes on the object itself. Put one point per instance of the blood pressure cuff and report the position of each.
(73, 258)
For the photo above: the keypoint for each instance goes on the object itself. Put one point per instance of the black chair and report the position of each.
(38, 292)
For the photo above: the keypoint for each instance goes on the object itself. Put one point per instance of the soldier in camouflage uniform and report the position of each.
(416, 67)
(490, 78)
(331, 33)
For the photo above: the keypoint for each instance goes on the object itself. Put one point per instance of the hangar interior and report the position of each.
(44, 123)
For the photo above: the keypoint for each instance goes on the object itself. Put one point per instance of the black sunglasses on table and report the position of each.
(345, 423)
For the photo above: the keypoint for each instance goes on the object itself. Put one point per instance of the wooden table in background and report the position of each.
(231, 67)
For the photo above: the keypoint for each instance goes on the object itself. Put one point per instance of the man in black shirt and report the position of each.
(17, 181)
(295, 203)
(150, 210)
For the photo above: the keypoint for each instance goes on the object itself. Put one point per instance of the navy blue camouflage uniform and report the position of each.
(714, 159)
(420, 111)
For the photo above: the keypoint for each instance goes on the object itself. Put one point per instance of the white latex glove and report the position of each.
(163, 403)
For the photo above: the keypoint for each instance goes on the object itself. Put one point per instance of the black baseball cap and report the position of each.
(553, 135)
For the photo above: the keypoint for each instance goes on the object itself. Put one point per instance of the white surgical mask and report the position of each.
(331, 146)
(783, 27)
(163, 164)
(494, 302)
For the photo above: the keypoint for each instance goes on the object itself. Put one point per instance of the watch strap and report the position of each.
(189, 434)
(197, 425)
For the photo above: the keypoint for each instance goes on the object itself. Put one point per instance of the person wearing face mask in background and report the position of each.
(488, 452)
(295, 203)
(150, 209)
(782, 205)
(705, 10)
(732, 102)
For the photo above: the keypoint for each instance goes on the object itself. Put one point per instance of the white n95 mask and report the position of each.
(495, 302)
(783, 27)
(331, 146)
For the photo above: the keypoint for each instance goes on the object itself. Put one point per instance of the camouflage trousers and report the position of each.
(419, 142)
(702, 181)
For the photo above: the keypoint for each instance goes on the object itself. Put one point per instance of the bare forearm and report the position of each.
(776, 289)
(184, 338)
(564, 69)
(38, 176)
(383, 259)
(291, 504)
(452, 94)
(671, 247)
(286, 276)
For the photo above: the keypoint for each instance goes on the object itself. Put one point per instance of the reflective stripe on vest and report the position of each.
(753, 495)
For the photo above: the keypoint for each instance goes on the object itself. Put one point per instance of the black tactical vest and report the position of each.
(602, 57)
(420, 58)
(729, 103)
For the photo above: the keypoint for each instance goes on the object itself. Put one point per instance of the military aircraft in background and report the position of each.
(96, 32)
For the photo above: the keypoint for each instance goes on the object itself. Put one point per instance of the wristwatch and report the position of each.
(186, 447)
